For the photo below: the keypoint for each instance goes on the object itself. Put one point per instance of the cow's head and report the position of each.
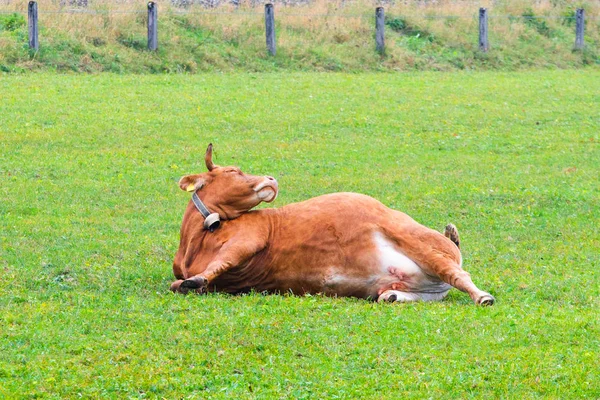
(227, 190)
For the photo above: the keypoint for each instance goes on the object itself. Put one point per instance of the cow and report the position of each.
(340, 244)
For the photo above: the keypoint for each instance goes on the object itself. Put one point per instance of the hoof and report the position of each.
(197, 283)
(486, 300)
(175, 285)
(387, 297)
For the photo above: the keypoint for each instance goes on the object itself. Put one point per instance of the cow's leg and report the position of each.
(453, 274)
(397, 295)
(177, 264)
(232, 254)
(178, 271)
(198, 283)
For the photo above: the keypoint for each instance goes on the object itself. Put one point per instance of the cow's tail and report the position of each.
(452, 233)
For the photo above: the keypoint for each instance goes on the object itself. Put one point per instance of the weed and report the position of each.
(134, 42)
(396, 23)
(11, 22)
(538, 24)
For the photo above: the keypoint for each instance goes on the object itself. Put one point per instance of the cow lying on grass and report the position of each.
(341, 244)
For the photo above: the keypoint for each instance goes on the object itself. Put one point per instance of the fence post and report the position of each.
(270, 28)
(32, 12)
(380, 29)
(152, 26)
(579, 29)
(484, 45)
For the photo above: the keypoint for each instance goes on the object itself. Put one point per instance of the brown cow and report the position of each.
(341, 244)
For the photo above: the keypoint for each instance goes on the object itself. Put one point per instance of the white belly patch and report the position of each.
(392, 262)
(390, 257)
(388, 269)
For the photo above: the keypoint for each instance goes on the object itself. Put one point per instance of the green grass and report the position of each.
(90, 212)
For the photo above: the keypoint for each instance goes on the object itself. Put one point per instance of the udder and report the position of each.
(383, 267)
(399, 272)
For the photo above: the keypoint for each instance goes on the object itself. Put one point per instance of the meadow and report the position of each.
(90, 212)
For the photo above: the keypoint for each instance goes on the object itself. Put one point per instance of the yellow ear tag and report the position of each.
(191, 187)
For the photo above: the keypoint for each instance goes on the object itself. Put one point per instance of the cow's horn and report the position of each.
(208, 158)
(212, 222)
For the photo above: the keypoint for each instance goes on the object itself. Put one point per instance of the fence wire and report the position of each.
(284, 14)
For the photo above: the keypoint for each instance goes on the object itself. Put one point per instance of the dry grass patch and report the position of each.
(320, 35)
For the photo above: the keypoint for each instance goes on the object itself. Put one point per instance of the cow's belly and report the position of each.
(365, 272)
(388, 268)
(397, 268)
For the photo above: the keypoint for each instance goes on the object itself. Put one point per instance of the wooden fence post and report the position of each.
(380, 30)
(484, 45)
(579, 29)
(270, 28)
(152, 26)
(32, 12)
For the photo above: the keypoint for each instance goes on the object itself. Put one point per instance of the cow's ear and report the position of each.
(191, 183)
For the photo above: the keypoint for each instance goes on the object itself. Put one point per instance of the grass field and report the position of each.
(90, 212)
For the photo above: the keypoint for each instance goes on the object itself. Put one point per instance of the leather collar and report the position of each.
(212, 221)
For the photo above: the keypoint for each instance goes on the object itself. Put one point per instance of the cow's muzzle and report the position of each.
(267, 189)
